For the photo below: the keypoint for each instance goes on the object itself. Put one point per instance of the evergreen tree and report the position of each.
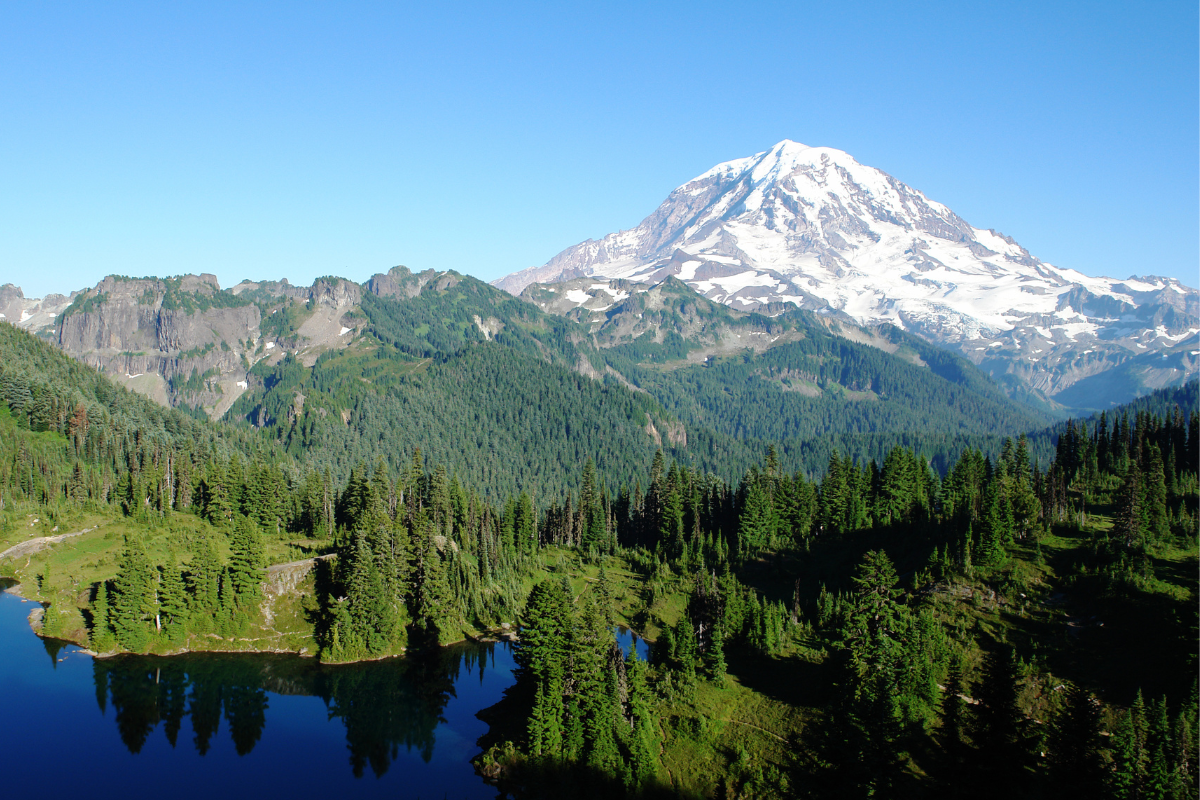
(204, 581)
(1160, 770)
(173, 596)
(246, 562)
(1154, 498)
(101, 632)
(595, 691)
(642, 741)
(542, 653)
(1001, 754)
(135, 605)
(1128, 524)
(1076, 766)
(953, 731)
(432, 594)
(716, 655)
(373, 624)
(1130, 758)
(526, 524)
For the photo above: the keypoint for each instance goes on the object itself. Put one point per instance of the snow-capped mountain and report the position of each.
(33, 314)
(812, 226)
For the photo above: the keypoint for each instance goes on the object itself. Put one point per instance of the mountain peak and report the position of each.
(814, 227)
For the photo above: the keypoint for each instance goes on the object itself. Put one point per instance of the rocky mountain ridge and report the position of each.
(34, 313)
(185, 341)
(813, 227)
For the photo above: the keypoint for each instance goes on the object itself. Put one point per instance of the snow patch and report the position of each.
(243, 385)
(688, 270)
(344, 331)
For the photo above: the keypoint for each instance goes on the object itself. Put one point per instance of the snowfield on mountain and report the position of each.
(813, 226)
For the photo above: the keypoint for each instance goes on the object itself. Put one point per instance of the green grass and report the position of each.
(63, 574)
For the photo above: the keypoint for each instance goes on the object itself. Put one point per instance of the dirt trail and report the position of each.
(41, 543)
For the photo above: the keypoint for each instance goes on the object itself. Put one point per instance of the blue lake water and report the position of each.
(225, 726)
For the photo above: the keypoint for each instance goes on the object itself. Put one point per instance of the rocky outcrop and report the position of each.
(399, 282)
(185, 340)
(32, 314)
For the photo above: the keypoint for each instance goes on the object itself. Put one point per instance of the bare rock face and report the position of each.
(12, 301)
(32, 314)
(336, 293)
(129, 316)
(186, 341)
(399, 282)
(178, 340)
(813, 227)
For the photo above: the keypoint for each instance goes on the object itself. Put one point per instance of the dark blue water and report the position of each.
(224, 726)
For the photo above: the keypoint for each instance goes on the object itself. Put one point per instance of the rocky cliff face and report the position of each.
(32, 314)
(399, 282)
(813, 227)
(130, 316)
(185, 341)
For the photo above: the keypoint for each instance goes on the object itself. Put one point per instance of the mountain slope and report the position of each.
(477, 378)
(341, 373)
(71, 433)
(186, 342)
(812, 226)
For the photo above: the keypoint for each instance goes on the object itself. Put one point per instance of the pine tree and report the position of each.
(755, 520)
(372, 614)
(596, 695)
(135, 604)
(686, 652)
(1076, 766)
(1127, 526)
(997, 730)
(101, 632)
(218, 505)
(246, 563)
(433, 596)
(204, 580)
(671, 522)
(643, 742)
(173, 596)
(716, 655)
(1160, 770)
(591, 511)
(1129, 753)
(526, 524)
(1154, 498)
(546, 640)
(951, 738)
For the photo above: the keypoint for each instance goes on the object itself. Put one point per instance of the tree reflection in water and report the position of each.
(383, 704)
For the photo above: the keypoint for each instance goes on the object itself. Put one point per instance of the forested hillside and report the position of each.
(499, 419)
(477, 378)
(70, 432)
(1004, 632)
(876, 629)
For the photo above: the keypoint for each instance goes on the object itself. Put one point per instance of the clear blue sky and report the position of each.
(263, 141)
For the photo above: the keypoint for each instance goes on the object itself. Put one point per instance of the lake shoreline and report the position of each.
(504, 633)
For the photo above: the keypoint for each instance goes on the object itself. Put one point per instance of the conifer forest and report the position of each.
(1006, 611)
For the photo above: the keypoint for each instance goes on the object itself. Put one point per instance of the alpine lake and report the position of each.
(221, 726)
